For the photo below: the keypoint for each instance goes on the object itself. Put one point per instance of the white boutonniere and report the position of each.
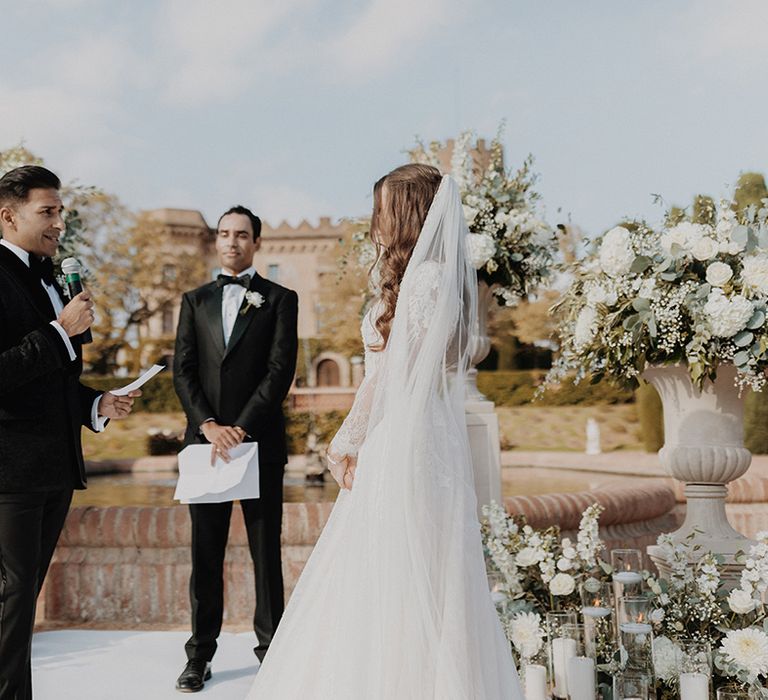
(253, 299)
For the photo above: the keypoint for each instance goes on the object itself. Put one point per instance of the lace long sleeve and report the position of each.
(422, 291)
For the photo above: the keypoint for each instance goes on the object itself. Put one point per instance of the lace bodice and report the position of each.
(421, 289)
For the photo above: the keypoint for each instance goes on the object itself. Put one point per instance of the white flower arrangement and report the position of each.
(692, 293)
(693, 605)
(510, 246)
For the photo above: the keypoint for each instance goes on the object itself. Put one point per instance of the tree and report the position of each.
(750, 189)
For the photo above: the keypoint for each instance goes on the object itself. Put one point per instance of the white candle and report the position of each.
(595, 611)
(563, 648)
(694, 686)
(627, 577)
(636, 627)
(581, 678)
(535, 682)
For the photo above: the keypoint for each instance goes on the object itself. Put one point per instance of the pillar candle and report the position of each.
(581, 678)
(694, 686)
(563, 648)
(535, 682)
(627, 577)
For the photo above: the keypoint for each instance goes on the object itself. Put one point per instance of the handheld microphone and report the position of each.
(71, 269)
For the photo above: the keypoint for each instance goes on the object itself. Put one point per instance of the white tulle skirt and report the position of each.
(393, 603)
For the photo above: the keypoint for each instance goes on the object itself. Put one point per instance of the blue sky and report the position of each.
(295, 107)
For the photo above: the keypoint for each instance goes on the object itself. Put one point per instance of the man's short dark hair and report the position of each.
(16, 184)
(240, 209)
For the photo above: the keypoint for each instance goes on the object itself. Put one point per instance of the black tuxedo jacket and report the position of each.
(245, 382)
(42, 402)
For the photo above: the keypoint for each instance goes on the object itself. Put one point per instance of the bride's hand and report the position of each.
(338, 465)
(349, 474)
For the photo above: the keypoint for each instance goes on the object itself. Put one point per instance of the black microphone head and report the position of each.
(70, 266)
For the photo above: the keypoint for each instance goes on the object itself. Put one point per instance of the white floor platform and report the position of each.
(112, 665)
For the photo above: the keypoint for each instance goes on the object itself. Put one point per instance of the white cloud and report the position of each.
(213, 51)
(389, 32)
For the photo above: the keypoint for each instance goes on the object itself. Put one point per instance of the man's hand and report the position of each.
(113, 406)
(77, 316)
(222, 438)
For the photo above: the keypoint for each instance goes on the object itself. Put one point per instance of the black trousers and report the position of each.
(210, 527)
(30, 524)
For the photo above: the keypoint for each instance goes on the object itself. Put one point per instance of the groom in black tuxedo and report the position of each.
(42, 408)
(234, 363)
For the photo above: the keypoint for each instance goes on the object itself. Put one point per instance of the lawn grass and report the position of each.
(127, 438)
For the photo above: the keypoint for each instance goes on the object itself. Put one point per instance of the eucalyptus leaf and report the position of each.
(741, 358)
(516, 257)
(743, 339)
(641, 264)
(651, 323)
(631, 322)
(757, 320)
(641, 304)
(740, 234)
(669, 276)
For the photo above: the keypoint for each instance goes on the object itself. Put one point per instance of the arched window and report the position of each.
(328, 373)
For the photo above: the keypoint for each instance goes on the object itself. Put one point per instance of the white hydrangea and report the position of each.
(719, 273)
(584, 330)
(667, 658)
(740, 601)
(754, 273)
(481, 248)
(647, 288)
(726, 316)
(470, 214)
(685, 235)
(616, 253)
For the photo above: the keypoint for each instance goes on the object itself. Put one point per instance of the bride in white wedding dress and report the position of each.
(393, 603)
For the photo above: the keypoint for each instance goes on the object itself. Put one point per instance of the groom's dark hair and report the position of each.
(240, 209)
(16, 184)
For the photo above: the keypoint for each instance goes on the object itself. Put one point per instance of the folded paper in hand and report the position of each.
(199, 482)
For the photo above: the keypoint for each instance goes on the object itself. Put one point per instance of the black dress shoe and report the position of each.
(194, 675)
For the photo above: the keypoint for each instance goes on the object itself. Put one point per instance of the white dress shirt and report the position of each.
(231, 301)
(98, 422)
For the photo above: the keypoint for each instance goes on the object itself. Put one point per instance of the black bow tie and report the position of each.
(243, 280)
(41, 268)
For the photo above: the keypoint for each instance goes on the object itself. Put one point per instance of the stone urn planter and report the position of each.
(704, 448)
(481, 343)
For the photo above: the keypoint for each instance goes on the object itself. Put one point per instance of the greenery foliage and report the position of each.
(651, 415)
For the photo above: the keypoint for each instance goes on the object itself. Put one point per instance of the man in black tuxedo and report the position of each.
(234, 363)
(42, 408)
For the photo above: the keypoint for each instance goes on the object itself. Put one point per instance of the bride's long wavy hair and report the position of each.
(401, 200)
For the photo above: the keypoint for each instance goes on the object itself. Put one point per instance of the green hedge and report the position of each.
(651, 416)
(518, 387)
(298, 425)
(756, 422)
(158, 395)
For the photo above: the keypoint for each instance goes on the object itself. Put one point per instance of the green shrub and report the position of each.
(518, 387)
(651, 416)
(158, 394)
(756, 422)
(298, 425)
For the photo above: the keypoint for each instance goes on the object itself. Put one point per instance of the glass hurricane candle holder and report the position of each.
(563, 642)
(597, 611)
(627, 575)
(732, 692)
(695, 670)
(632, 686)
(636, 635)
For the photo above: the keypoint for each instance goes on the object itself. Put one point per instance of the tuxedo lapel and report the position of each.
(244, 320)
(30, 284)
(213, 318)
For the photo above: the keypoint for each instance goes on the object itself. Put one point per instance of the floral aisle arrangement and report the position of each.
(510, 245)
(693, 293)
(540, 573)
(693, 607)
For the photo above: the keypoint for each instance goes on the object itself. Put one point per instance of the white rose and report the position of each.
(616, 254)
(569, 551)
(740, 601)
(562, 584)
(481, 248)
(527, 557)
(727, 316)
(704, 249)
(564, 564)
(470, 213)
(656, 616)
(718, 273)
